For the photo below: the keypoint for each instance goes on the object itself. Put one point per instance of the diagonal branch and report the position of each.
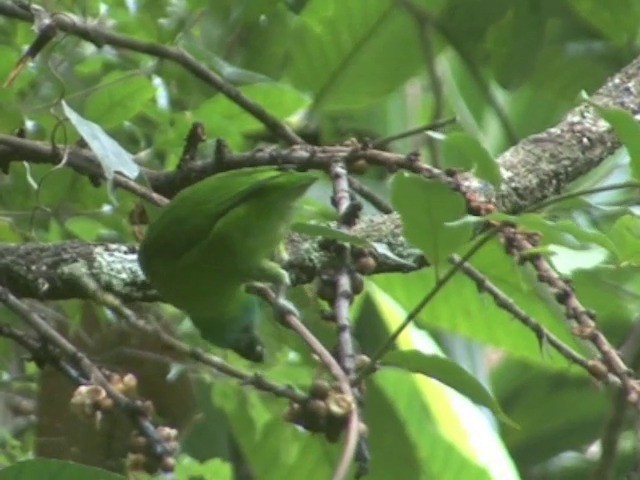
(92, 32)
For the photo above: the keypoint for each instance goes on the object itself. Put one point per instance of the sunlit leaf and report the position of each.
(448, 372)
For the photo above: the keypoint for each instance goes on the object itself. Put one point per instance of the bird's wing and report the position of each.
(194, 212)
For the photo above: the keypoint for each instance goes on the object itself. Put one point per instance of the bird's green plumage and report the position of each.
(212, 239)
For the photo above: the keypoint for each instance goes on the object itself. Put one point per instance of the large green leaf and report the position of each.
(461, 150)
(54, 470)
(118, 97)
(428, 210)
(628, 130)
(537, 400)
(438, 443)
(452, 437)
(224, 118)
(348, 53)
(448, 372)
(625, 235)
(616, 20)
(515, 42)
(459, 308)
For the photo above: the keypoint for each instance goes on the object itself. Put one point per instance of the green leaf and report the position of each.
(467, 23)
(617, 20)
(347, 51)
(563, 232)
(449, 373)
(224, 118)
(628, 131)
(459, 309)
(55, 470)
(440, 440)
(533, 396)
(212, 469)
(278, 99)
(118, 98)
(515, 42)
(582, 234)
(436, 442)
(428, 211)
(461, 150)
(84, 228)
(11, 117)
(625, 235)
(612, 291)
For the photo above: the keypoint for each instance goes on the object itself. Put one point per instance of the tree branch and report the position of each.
(534, 170)
(48, 271)
(542, 165)
(99, 36)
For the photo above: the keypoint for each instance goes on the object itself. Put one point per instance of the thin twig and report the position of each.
(377, 201)
(92, 374)
(348, 213)
(257, 381)
(519, 245)
(291, 320)
(435, 125)
(82, 161)
(91, 31)
(630, 351)
(543, 335)
(411, 316)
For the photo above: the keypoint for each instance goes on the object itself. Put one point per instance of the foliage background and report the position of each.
(335, 69)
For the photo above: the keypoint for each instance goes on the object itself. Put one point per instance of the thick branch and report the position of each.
(49, 271)
(538, 167)
(542, 165)
(45, 270)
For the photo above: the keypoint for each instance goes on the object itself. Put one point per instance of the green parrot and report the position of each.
(212, 239)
